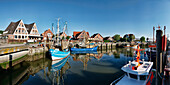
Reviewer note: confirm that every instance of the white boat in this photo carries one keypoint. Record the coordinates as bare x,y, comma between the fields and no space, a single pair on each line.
136,72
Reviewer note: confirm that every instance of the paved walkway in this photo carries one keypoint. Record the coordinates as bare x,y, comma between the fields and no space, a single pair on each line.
10,45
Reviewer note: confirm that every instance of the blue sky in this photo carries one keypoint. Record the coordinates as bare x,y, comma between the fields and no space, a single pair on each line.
107,17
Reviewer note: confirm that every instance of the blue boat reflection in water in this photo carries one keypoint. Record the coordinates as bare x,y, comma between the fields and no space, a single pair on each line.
57,70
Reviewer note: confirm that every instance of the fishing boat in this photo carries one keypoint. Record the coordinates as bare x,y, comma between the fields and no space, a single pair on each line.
58,55
133,46
84,49
137,72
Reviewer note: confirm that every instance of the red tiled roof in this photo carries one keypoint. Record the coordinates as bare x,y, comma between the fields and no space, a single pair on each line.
75,33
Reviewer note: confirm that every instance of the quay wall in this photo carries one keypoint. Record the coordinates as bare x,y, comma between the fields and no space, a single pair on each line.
20,54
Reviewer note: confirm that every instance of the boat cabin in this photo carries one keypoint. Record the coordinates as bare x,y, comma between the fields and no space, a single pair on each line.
140,73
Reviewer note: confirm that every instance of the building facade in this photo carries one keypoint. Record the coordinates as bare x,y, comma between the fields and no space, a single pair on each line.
20,32
47,35
80,35
96,38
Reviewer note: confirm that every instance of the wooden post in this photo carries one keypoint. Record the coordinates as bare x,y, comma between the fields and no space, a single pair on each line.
158,55
10,69
101,48
111,47
106,47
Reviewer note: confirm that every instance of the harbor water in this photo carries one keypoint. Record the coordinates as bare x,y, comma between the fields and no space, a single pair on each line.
94,68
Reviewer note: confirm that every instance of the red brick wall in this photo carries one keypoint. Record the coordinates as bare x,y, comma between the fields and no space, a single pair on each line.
45,34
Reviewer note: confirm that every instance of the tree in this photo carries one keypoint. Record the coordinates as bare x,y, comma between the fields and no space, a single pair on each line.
117,37
1,32
142,39
67,37
122,39
63,38
132,37
147,39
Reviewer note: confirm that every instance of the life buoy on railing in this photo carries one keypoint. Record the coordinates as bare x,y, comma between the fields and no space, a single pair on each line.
164,42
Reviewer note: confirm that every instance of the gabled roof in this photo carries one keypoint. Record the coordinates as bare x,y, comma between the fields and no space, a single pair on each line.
12,26
46,31
76,34
95,35
106,38
29,27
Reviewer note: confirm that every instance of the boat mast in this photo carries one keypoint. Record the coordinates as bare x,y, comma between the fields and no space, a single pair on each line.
58,30
53,31
64,29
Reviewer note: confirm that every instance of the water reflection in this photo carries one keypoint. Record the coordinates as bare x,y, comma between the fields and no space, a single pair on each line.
78,68
58,70
85,57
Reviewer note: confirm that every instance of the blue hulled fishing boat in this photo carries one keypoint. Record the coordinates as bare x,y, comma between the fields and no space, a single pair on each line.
84,49
58,55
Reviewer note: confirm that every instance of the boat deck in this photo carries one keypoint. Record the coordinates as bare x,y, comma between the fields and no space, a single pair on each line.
141,70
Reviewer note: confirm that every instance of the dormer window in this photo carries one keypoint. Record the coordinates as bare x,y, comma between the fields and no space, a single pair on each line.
22,25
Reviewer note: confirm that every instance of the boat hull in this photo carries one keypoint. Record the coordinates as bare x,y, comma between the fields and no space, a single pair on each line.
84,49
58,55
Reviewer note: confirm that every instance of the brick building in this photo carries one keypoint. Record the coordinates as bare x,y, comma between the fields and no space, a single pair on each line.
47,35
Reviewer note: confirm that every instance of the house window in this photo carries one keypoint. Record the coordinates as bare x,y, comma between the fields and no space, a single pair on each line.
25,37
22,37
19,36
22,31
22,25
49,35
16,30
19,31
15,36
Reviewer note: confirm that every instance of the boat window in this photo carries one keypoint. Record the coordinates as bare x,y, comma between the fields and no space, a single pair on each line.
142,77
133,76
